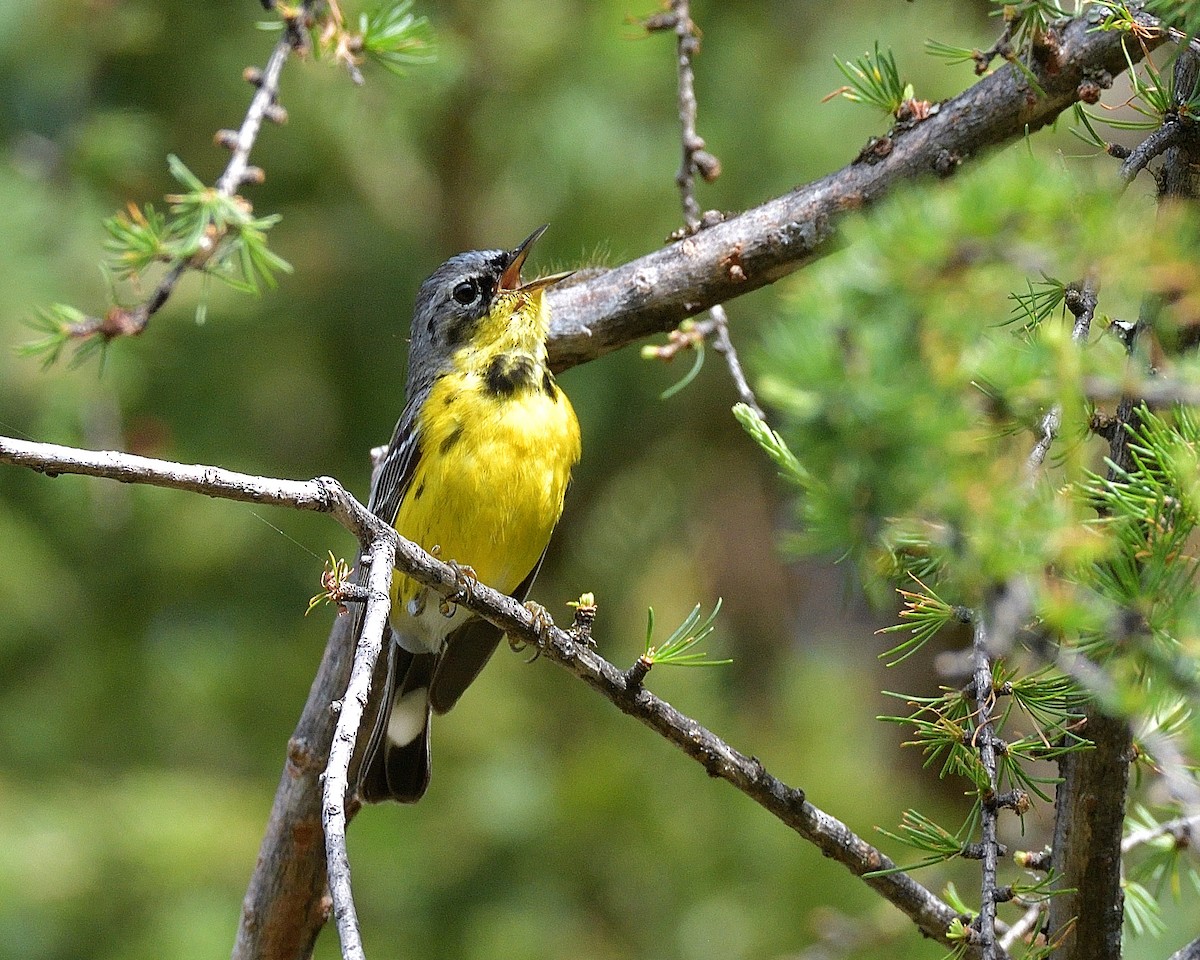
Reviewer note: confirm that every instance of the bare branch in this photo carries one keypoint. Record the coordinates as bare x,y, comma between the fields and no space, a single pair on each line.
323,495
724,346
1026,925
336,792
296,798
1155,145
695,159
1180,828
687,45
266,98
984,740
747,774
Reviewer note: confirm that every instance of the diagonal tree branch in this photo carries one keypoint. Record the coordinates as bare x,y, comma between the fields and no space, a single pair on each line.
266,935
603,311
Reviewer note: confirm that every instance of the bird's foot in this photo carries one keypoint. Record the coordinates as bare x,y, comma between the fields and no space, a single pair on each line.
543,626
466,581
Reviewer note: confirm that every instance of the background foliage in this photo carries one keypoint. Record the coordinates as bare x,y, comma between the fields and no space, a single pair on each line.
153,655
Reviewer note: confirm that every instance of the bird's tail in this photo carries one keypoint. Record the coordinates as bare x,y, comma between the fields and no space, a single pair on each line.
396,764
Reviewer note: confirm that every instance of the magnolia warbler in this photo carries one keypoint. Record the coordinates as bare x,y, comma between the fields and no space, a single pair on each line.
476,473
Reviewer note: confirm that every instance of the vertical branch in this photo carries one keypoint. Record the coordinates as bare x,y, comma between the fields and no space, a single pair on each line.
285,905
1089,816
687,44
695,159
336,791
265,102
1090,803
984,737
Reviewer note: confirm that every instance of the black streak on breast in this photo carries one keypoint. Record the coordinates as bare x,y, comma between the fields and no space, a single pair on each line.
509,373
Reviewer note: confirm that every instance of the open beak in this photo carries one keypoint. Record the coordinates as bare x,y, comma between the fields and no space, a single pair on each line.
511,278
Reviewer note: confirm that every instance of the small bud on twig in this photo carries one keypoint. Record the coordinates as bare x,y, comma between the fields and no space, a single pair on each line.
708,166
659,21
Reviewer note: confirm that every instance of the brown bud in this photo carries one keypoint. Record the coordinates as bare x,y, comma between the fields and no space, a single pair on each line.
659,21
708,166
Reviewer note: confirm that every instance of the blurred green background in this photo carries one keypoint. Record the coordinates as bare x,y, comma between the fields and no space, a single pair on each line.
153,650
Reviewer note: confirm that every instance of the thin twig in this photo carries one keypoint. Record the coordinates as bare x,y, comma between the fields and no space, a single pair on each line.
265,98
1024,926
984,740
1001,48
724,346
131,321
336,790
695,159
1155,145
1081,301
687,44
1180,828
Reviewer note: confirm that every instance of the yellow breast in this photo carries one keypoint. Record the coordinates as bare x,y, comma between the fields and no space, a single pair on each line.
493,471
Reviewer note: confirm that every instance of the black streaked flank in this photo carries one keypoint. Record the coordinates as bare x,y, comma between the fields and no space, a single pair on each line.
548,385
453,438
509,373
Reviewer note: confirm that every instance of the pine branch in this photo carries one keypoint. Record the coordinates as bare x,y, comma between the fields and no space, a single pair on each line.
1090,806
121,321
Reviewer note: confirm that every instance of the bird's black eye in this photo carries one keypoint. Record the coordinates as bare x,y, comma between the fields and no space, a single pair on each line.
466,292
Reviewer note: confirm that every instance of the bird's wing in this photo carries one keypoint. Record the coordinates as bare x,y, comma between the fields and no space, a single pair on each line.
399,466
467,650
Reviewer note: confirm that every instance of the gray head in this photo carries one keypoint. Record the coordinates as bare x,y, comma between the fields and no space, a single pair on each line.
452,301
